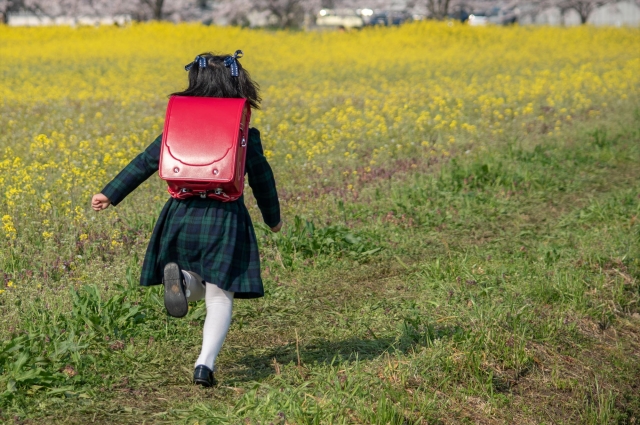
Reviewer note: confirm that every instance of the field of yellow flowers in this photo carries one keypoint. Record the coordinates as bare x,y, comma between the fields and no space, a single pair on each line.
345,117
78,104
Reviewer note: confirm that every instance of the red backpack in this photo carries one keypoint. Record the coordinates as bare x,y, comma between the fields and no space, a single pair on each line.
204,146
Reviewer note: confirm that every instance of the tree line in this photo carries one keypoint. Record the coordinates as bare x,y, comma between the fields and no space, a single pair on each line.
284,13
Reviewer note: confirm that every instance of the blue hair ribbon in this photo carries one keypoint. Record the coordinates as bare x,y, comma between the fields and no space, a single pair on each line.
231,62
200,61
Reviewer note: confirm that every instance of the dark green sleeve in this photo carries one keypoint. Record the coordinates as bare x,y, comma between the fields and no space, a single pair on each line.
261,180
140,169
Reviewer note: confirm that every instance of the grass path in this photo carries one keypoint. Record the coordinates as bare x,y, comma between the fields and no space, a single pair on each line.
507,291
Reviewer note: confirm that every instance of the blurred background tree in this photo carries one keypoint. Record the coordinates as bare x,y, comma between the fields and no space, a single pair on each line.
583,7
438,9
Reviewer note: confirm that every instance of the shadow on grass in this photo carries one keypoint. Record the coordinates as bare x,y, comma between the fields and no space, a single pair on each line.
261,364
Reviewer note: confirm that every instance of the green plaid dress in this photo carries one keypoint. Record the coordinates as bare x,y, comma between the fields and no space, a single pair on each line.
212,238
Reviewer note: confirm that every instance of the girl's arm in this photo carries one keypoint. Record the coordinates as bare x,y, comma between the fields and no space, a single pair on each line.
262,181
140,169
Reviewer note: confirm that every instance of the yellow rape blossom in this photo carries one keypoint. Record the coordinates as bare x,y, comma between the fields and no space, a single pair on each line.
8,227
381,94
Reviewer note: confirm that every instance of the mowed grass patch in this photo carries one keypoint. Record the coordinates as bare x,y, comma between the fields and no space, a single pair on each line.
499,288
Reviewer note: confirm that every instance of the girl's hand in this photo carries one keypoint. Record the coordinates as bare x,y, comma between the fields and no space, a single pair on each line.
277,228
99,202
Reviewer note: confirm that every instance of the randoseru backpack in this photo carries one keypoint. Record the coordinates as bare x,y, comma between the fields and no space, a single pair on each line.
204,147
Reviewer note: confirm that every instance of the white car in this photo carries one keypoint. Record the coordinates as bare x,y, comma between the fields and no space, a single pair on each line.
478,20
339,18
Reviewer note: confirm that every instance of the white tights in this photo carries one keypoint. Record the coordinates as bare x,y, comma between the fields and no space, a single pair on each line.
219,306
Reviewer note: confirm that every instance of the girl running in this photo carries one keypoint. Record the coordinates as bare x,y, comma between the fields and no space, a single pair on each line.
204,248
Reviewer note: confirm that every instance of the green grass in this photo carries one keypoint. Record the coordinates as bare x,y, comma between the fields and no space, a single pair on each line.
499,287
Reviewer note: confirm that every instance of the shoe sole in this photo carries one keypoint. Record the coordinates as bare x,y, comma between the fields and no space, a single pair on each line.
203,382
175,300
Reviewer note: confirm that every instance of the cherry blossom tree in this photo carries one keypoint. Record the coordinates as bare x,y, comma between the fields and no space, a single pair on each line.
234,12
139,9
171,9
438,9
6,7
70,8
288,13
583,7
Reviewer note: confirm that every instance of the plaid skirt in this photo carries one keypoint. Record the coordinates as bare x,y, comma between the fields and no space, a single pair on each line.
212,238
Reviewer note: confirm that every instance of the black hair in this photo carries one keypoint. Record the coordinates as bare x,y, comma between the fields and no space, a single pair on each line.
215,80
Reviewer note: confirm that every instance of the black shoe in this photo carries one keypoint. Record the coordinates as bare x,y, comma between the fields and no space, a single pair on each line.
204,376
175,300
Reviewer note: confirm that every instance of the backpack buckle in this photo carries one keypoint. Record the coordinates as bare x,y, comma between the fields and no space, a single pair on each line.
203,194
244,142
220,192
